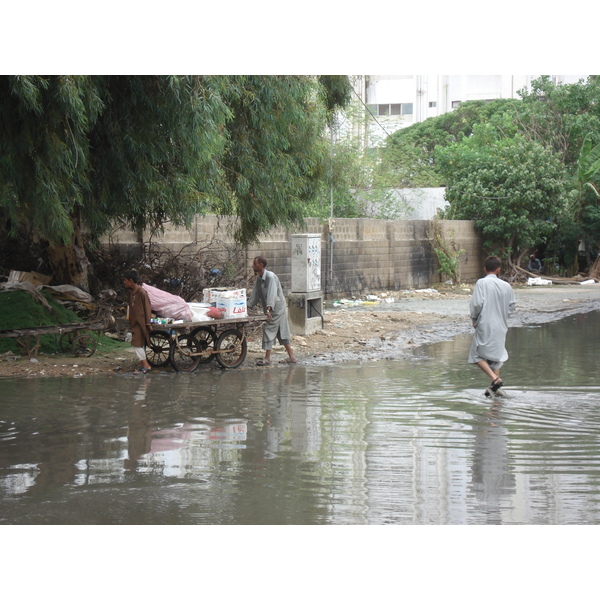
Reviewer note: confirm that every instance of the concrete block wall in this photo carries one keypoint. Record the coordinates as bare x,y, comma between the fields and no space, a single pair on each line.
469,240
371,255
366,255
414,263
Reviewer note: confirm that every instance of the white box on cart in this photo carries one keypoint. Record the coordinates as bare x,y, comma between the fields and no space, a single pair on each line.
232,303
210,294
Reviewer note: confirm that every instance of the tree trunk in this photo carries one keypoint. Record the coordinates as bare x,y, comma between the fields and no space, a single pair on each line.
70,264
595,269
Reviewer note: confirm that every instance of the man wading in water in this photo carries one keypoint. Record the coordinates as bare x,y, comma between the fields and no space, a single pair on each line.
492,302
267,291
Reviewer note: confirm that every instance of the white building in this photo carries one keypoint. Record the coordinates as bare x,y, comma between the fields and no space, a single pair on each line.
397,101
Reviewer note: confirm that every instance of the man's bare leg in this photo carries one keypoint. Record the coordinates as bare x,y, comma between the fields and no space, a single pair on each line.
290,352
494,375
485,367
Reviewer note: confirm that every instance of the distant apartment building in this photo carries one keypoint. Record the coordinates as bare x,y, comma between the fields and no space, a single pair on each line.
397,101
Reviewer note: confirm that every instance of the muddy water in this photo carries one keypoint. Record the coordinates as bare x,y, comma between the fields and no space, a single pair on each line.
405,441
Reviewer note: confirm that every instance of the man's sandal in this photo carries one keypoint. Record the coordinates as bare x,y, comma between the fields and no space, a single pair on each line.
496,384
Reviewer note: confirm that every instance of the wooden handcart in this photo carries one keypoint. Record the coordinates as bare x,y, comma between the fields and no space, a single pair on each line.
187,345
74,337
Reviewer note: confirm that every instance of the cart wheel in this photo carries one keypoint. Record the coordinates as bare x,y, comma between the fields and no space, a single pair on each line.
157,353
84,345
66,341
206,339
185,353
231,349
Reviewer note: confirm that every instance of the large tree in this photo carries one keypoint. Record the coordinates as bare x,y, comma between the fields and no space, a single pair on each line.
411,150
79,153
513,188
561,116
582,222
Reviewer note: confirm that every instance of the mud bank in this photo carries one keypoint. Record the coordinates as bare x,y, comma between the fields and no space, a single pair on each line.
352,331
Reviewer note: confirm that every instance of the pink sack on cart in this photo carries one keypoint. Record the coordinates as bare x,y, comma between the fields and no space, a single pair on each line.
168,305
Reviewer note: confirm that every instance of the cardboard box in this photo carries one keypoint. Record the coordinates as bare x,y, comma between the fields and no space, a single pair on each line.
232,308
210,294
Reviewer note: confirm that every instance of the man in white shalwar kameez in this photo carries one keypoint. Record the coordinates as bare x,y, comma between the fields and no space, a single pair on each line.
267,291
492,302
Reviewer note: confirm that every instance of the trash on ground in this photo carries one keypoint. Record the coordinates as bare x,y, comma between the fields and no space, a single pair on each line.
538,281
425,291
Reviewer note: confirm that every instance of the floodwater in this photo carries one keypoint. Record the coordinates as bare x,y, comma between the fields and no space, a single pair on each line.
406,441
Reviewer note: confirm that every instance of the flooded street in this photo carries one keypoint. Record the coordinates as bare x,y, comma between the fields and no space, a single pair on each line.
411,440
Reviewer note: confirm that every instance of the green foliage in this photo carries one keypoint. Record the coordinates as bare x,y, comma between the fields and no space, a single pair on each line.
359,184
153,151
337,91
514,189
100,149
558,116
412,150
561,116
275,156
44,150
583,220
358,187
142,150
588,167
447,252
347,172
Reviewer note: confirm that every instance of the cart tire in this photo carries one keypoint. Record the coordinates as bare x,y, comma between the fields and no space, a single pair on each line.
207,340
65,341
84,345
157,353
231,349
184,353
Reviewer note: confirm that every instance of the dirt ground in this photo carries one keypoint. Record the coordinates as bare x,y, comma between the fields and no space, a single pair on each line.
353,330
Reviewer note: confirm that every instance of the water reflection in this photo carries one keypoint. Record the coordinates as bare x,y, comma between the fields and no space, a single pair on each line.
492,479
401,441
139,430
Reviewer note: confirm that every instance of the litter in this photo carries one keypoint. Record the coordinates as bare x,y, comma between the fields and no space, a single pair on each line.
425,291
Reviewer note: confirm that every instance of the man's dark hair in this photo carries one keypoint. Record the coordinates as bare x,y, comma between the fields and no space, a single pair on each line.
261,260
492,263
133,275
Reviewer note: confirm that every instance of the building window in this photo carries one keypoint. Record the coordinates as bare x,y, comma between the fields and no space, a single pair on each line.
455,103
392,109
432,104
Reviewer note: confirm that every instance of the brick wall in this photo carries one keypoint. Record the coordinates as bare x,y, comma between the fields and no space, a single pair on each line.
358,256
